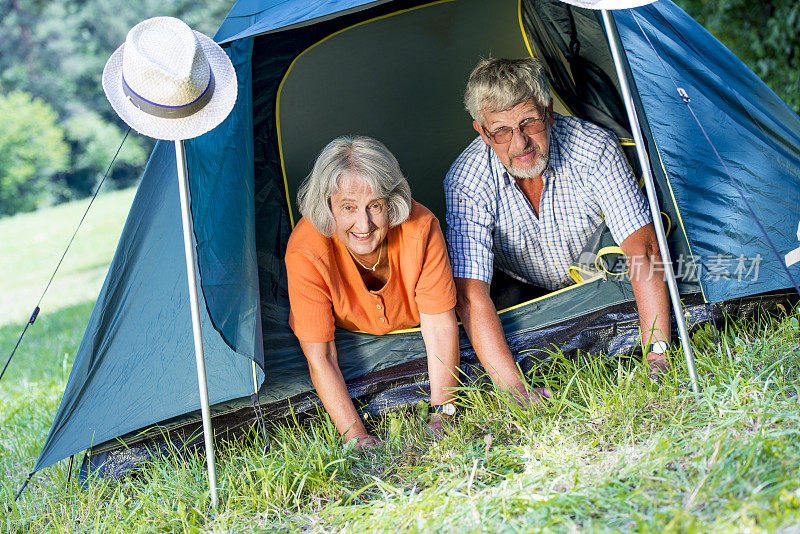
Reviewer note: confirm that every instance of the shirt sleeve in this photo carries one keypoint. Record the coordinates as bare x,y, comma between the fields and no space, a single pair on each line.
311,309
436,291
470,224
615,188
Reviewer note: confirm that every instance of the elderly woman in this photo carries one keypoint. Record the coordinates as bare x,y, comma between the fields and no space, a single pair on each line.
366,257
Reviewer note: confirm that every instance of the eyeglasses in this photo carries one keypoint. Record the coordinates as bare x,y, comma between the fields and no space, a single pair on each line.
530,126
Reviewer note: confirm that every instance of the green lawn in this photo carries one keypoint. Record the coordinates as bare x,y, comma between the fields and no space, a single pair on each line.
612,452
31,247
32,244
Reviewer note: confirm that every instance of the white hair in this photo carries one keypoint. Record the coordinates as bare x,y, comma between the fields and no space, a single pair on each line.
368,159
497,84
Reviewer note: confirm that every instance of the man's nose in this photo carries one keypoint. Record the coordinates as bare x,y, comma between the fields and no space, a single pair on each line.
518,138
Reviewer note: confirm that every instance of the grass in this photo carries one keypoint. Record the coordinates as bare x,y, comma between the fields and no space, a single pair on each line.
34,380
33,243
611,452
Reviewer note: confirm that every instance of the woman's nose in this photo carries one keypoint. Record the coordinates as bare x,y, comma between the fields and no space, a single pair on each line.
363,223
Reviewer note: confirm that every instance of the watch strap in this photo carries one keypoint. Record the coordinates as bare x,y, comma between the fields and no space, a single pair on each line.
446,409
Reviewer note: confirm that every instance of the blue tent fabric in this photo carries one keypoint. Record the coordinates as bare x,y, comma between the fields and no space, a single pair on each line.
254,17
220,168
755,132
136,364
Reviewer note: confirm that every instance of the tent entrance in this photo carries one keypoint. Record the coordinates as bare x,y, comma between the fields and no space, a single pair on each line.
399,79
397,73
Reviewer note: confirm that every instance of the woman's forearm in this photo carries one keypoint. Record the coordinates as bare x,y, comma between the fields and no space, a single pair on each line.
440,334
331,388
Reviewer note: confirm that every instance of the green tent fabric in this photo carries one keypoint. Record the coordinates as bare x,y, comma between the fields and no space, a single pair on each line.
395,70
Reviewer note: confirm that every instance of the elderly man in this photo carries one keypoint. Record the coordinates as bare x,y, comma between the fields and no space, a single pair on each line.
524,198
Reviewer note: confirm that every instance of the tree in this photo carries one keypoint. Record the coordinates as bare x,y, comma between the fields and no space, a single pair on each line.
762,33
93,142
32,150
56,53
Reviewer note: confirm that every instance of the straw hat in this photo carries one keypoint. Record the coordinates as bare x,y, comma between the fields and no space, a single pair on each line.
168,81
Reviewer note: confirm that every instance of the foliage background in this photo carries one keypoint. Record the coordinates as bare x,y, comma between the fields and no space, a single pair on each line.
55,51
53,57
764,34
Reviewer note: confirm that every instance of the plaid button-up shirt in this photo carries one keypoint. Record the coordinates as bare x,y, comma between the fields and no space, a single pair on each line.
490,222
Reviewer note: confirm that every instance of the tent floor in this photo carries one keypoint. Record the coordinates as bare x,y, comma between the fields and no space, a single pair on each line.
407,383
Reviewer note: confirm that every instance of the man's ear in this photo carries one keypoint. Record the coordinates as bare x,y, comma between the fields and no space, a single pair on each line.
551,119
479,129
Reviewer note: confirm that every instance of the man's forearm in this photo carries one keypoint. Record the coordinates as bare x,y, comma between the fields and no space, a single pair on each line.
652,301
480,320
649,288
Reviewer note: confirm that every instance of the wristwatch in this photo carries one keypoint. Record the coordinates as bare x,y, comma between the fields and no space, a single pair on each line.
447,409
659,347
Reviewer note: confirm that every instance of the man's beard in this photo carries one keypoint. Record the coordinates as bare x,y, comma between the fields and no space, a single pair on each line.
530,172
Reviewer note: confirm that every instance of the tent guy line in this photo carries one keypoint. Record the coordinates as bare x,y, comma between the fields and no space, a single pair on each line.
37,309
793,256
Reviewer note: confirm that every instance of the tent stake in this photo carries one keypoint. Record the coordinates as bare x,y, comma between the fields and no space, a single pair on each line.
669,273
188,245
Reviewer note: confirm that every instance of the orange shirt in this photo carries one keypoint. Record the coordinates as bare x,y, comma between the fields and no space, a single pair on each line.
325,287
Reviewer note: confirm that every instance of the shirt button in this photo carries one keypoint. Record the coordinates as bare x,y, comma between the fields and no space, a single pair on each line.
378,306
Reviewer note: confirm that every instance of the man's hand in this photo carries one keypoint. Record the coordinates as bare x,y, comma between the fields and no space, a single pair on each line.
534,398
364,441
658,363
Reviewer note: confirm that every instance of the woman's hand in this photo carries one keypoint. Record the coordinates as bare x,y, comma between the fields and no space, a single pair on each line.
437,425
332,390
364,441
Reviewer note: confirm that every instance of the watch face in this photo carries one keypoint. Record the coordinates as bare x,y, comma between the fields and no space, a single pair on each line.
448,409
659,347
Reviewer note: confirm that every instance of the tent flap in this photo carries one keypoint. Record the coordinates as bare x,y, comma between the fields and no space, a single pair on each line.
221,183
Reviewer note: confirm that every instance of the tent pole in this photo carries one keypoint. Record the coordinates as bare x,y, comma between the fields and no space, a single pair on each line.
669,273
188,245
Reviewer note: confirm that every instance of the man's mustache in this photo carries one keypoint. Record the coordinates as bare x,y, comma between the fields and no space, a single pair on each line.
532,148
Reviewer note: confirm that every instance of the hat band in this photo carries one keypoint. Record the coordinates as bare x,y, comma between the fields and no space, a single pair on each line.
170,112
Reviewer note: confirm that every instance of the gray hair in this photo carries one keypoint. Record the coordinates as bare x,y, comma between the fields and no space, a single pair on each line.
368,159
497,84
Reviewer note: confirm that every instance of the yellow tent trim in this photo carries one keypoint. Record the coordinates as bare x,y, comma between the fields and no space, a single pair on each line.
678,212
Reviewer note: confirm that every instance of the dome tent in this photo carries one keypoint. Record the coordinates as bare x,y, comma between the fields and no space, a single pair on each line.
395,70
